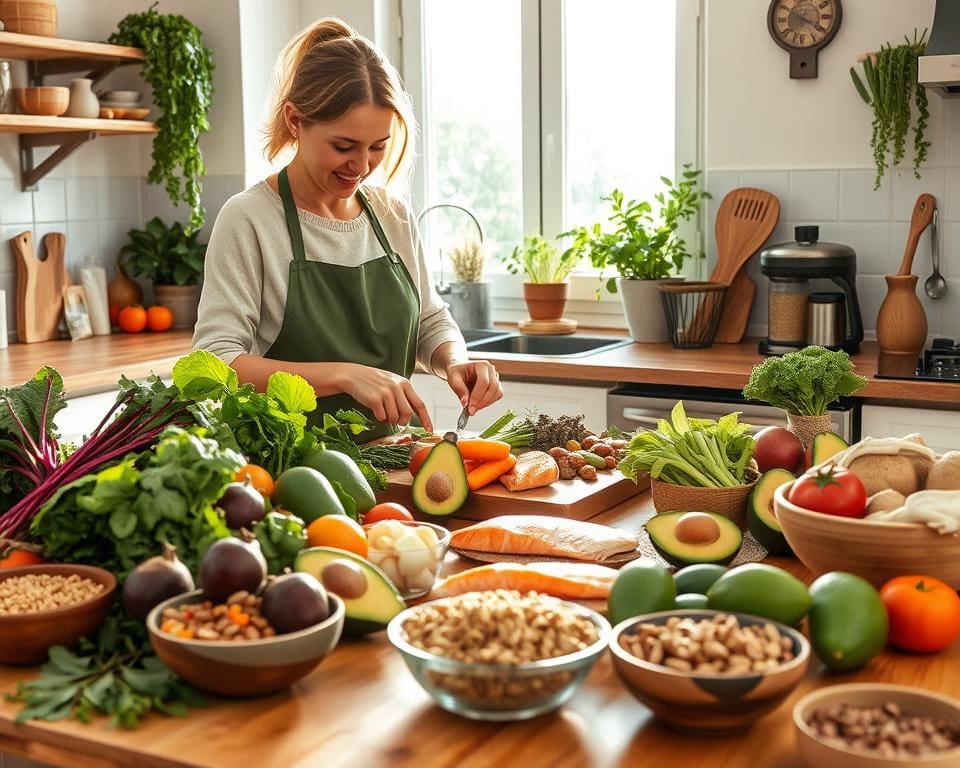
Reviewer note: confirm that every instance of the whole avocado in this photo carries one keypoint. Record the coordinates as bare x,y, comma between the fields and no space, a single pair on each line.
848,621
642,586
337,467
761,590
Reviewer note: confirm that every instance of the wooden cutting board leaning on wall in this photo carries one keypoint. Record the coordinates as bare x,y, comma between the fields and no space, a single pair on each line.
39,286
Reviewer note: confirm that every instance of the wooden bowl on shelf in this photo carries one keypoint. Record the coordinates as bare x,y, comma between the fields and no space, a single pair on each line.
29,17
49,100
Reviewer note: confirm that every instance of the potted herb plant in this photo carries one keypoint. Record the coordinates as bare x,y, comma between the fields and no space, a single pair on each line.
644,247
469,294
547,271
173,259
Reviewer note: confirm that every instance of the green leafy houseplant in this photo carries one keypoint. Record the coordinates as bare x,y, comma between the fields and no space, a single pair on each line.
179,68
642,245
166,255
890,87
541,261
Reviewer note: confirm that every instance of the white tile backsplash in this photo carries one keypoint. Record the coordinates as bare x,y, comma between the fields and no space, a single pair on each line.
950,204
907,187
950,252
813,196
83,247
871,241
49,200
82,199
858,199
118,197
15,206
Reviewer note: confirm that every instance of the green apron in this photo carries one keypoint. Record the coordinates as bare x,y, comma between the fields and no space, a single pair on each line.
368,314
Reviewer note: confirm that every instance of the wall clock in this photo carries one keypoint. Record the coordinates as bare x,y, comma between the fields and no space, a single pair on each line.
802,28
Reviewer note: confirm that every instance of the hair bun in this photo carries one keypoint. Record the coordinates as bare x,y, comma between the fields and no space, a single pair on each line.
326,30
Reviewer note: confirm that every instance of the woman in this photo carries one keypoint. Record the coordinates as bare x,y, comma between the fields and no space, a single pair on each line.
315,272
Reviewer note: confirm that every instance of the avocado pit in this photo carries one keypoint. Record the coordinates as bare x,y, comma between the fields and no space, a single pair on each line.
439,487
697,529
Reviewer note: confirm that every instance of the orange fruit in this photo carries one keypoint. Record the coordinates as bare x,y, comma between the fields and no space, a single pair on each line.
19,557
259,478
132,319
337,531
159,318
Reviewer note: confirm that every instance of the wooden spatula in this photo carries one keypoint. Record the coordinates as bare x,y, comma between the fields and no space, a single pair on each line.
745,219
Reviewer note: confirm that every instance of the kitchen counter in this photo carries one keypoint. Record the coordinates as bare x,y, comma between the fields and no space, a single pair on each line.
362,707
95,364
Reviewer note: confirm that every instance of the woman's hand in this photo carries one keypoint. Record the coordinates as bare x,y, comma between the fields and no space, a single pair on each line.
390,396
475,382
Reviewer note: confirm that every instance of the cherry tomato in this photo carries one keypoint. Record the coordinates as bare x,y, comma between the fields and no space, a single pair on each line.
132,319
159,318
19,557
924,613
259,478
417,457
388,510
832,490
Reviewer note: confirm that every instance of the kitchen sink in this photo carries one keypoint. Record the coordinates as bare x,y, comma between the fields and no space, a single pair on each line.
547,346
474,335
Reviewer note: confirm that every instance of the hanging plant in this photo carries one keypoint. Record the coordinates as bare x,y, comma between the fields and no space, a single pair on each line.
891,88
179,69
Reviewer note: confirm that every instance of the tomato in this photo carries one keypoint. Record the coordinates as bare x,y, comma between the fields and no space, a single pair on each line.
259,478
132,319
337,531
114,312
417,457
19,557
159,318
924,613
832,490
388,510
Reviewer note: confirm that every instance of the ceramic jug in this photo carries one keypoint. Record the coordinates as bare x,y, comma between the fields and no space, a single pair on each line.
82,101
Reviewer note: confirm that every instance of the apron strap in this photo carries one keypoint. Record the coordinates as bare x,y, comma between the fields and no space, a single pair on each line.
293,219
377,229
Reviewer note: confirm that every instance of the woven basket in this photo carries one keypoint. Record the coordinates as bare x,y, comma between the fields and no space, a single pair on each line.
29,17
729,502
807,427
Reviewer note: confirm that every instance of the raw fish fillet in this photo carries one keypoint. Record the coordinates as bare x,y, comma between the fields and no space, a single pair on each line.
571,581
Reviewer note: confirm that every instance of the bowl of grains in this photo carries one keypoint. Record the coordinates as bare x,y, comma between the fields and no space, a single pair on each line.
499,655
875,725
50,604
231,649
707,671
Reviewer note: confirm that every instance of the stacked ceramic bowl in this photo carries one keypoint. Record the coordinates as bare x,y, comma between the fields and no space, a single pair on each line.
123,105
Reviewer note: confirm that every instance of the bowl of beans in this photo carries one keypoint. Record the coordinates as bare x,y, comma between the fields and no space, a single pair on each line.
50,604
876,725
707,671
230,649
499,655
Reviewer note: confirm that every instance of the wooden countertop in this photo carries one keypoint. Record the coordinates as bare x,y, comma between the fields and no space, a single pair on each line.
95,364
362,707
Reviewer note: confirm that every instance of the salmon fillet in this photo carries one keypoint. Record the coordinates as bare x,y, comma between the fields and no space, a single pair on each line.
543,535
571,581
534,469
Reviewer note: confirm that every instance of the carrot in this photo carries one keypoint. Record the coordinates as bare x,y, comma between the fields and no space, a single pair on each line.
489,471
478,449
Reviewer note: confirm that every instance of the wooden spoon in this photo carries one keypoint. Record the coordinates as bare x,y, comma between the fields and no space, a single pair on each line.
922,217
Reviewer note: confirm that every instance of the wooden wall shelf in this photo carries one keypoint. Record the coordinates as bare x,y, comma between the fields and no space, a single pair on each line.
41,124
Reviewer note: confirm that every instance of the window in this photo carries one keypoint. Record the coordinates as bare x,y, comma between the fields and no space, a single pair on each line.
532,110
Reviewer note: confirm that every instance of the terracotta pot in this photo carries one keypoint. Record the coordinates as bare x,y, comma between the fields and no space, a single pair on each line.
545,301
181,300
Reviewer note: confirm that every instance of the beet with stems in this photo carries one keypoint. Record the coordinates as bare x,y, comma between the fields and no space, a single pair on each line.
154,581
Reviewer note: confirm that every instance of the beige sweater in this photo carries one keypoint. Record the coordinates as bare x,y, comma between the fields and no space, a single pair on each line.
246,270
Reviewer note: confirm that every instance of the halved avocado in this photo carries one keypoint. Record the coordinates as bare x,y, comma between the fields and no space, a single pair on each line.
824,446
440,485
369,612
761,520
683,538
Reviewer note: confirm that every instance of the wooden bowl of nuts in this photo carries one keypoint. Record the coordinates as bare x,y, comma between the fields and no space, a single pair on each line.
708,672
499,655
50,604
237,662
874,725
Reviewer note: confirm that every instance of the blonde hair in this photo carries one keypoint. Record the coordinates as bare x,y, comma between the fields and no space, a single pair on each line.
325,71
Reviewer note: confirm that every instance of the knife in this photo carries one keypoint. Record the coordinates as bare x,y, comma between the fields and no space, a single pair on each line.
462,421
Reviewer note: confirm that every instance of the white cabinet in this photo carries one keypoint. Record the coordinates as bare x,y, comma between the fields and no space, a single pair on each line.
82,415
519,396
940,429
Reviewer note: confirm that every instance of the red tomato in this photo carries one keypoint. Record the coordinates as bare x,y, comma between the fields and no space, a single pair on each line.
832,490
388,510
924,613
159,318
132,319
417,457
19,557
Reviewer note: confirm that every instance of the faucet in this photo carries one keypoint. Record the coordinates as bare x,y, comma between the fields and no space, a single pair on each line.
442,289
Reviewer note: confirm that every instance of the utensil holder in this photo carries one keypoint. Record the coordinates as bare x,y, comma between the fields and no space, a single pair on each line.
693,312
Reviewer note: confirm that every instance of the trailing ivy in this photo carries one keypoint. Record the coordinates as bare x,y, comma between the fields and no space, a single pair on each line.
179,68
891,88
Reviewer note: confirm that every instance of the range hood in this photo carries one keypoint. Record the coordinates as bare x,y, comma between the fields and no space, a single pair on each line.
939,67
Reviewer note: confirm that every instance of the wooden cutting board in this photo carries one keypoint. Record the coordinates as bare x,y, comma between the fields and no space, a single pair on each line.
576,499
39,286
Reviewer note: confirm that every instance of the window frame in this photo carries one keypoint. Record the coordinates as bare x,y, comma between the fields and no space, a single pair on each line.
543,141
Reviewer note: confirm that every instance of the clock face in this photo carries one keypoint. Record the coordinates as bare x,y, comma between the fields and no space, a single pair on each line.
803,23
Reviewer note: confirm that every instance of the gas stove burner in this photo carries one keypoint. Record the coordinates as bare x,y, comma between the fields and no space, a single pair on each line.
939,363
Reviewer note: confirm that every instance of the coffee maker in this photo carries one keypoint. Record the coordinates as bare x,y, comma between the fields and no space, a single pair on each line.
795,317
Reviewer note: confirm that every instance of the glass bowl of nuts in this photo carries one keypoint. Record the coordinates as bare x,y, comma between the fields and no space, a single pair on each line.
50,604
410,553
876,724
707,671
213,645
499,655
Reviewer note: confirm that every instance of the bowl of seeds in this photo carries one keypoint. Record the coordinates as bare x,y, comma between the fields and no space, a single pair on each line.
707,671
50,604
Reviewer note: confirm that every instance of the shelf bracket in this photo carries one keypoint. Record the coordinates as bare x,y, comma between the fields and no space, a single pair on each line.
65,143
